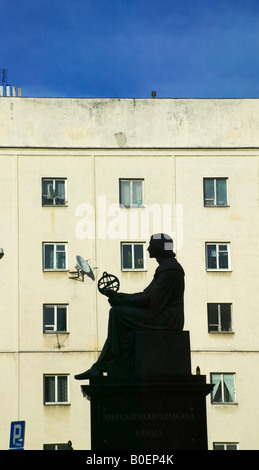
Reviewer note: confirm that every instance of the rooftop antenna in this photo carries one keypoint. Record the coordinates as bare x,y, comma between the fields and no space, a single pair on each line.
4,76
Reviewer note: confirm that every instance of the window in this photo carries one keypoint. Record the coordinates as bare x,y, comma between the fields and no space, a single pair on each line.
224,388
225,446
219,317
55,256
54,192
132,256
55,389
131,192
215,192
218,256
67,446
54,318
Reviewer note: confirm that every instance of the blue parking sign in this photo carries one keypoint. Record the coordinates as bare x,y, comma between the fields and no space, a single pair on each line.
17,435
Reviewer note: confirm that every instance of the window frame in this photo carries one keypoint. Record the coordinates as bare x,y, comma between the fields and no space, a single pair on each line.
214,179
133,244
54,180
56,401
132,204
225,444
59,446
217,245
219,315
55,330
222,375
55,244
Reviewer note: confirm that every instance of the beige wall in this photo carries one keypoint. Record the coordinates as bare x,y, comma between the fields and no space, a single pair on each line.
237,224
172,177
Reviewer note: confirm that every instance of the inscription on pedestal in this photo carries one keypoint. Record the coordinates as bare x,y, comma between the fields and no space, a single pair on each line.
168,416
152,425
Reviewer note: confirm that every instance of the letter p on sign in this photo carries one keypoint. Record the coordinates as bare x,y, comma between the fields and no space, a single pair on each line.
17,435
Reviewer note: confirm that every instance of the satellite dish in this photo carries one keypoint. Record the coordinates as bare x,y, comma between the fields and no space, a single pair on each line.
84,267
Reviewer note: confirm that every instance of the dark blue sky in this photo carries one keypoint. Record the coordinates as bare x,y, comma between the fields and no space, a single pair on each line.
127,48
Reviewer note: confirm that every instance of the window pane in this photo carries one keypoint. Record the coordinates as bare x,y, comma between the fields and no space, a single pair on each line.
218,446
213,321
48,256
217,390
225,312
61,318
62,388
223,248
127,256
229,388
231,446
61,260
209,195
61,247
46,195
60,192
137,192
60,257
221,185
50,389
125,193
223,257
48,318
63,447
138,257
211,257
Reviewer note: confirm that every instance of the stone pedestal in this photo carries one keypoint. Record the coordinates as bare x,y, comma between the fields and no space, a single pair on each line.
148,412
157,405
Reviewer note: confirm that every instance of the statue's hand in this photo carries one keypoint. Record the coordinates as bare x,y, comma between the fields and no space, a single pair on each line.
111,298
116,299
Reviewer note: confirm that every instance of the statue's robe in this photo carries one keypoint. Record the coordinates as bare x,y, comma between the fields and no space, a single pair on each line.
160,306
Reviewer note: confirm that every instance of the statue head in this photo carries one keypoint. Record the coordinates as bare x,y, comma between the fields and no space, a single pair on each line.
161,245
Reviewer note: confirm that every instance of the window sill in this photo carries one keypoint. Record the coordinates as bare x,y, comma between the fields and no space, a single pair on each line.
56,270
216,207
132,206
57,404
225,404
221,332
56,332
133,270
54,205
209,270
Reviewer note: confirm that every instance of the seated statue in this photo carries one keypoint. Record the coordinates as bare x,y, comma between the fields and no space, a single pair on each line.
160,306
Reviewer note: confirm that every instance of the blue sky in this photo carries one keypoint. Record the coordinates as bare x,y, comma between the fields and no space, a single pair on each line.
127,48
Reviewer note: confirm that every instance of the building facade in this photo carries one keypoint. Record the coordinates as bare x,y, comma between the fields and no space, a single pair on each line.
95,178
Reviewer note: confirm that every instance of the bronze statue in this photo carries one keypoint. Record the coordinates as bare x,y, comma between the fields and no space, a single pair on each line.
160,306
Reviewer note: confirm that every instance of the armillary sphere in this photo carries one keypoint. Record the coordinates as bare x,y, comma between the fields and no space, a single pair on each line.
108,284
